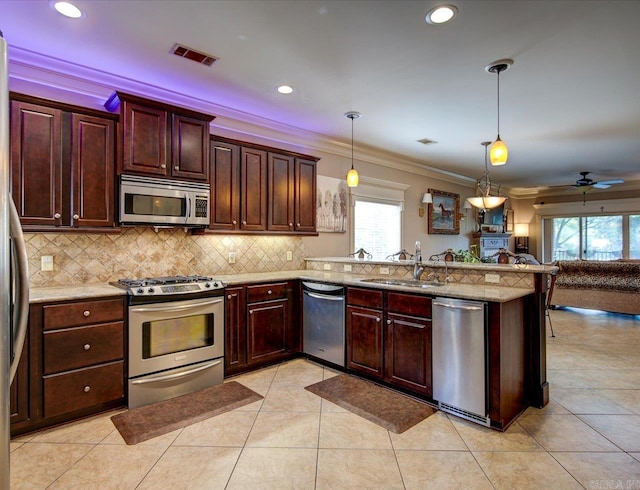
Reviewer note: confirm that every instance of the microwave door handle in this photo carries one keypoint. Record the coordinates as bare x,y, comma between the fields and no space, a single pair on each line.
22,288
188,197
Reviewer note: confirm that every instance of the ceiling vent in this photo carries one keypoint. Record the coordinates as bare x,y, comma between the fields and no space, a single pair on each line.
427,141
192,54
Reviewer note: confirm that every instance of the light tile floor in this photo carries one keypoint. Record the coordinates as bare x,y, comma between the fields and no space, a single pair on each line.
587,437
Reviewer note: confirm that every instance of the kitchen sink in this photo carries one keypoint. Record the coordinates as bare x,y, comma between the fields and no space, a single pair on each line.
404,282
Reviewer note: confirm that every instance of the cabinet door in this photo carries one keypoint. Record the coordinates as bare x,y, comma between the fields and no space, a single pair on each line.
189,148
36,163
92,170
267,330
225,186
408,352
364,341
254,190
305,196
281,191
145,139
19,391
235,355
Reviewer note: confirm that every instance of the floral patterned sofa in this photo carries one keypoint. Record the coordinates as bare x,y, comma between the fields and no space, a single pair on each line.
609,286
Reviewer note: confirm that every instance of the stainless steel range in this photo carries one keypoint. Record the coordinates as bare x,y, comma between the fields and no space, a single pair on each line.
176,336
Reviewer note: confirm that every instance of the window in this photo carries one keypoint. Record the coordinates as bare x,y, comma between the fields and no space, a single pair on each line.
376,217
377,227
593,237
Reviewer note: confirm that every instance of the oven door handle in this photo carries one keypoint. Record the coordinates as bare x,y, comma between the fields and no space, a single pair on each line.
169,377
147,309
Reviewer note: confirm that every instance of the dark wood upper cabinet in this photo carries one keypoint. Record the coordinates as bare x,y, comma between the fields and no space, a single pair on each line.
253,200
92,170
162,140
305,196
36,163
225,186
144,139
281,192
62,164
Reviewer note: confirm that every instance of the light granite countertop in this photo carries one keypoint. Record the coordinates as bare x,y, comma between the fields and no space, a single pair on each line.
478,292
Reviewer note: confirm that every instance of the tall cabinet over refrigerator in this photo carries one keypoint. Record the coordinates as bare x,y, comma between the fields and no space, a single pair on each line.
14,288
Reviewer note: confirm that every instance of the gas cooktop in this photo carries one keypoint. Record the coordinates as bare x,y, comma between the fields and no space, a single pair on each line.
170,285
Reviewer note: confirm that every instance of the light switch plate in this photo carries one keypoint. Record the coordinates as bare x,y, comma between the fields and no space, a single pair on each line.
327,267
347,267
384,270
289,255
232,257
492,278
46,263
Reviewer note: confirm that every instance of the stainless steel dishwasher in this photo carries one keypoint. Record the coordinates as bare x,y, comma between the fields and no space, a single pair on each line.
460,358
323,317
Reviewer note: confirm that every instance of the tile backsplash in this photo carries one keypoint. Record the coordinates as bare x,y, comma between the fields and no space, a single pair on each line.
141,252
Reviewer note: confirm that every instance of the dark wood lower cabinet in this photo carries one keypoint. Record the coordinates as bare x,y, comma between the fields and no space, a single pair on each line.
267,323
364,341
408,352
19,391
235,341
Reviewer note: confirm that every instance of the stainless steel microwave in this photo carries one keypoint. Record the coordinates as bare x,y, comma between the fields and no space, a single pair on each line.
163,202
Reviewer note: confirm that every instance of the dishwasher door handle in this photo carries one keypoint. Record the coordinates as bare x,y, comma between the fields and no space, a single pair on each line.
458,307
322,296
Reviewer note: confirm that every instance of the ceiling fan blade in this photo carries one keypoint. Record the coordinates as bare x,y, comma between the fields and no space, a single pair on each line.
601,185
612,181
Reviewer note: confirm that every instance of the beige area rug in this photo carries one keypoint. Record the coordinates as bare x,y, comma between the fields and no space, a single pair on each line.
382,406
150,421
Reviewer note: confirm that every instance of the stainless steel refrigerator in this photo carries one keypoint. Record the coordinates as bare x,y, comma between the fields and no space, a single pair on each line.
14,287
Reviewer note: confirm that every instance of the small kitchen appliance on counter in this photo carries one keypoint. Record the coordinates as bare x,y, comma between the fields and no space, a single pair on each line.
176,336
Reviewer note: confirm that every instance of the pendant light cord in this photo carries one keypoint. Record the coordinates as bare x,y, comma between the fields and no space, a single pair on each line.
498,97
351,143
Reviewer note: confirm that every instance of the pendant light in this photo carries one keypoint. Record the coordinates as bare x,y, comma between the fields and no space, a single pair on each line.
352,175
498,153
485,200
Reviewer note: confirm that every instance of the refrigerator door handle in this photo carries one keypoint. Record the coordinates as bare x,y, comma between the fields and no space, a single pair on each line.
21,316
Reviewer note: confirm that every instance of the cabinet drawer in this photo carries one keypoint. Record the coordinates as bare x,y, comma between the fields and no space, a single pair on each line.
64,393
83,313
83,346
364,297
267,292
409,304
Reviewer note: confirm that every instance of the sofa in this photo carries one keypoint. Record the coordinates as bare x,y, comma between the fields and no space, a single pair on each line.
610,286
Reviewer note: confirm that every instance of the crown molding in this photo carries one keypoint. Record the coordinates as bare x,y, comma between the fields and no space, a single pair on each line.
43,73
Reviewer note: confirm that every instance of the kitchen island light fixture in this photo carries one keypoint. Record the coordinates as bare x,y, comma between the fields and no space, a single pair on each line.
499,152
485,200
352,176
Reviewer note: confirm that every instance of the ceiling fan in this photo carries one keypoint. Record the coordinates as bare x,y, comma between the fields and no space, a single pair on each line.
585,181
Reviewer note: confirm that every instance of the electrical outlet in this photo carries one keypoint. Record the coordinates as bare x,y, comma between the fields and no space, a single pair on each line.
46,263
347,267
384,270
289,255
492,278
327,267
232,257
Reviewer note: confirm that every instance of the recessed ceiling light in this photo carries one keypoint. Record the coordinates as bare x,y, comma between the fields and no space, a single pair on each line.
285,89
441,14
67,9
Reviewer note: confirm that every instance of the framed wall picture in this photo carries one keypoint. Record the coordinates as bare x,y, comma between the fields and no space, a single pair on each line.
443,216
331,206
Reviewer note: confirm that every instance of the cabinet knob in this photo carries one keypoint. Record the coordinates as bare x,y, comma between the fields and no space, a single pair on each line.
378,319
176,168
269,291
57,216
75,216
87,346
86,313
298,225
87,389
162,165
250,312
388,322
290,225
228,296
244,222
234,222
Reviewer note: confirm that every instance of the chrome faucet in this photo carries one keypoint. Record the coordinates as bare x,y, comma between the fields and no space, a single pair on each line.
436,278
418,268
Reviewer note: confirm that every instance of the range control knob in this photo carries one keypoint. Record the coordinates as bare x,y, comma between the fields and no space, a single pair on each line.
151,290
207,285
140,291
216,285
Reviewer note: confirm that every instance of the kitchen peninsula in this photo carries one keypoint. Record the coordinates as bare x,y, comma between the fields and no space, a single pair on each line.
516,343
